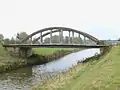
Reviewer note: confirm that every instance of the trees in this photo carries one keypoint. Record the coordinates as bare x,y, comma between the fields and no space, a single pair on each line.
20,36
12,41
55,39
6,41
1,38
47,40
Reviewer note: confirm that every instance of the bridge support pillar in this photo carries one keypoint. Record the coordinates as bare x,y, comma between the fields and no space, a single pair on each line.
25,52
61,36
41,41
69,38
84,40
31,40
80,38
50,36
72,37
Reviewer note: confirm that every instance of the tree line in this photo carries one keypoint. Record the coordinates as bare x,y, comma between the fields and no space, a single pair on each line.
13,40
55,39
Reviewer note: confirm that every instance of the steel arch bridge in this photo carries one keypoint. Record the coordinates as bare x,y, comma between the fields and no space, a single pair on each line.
51,30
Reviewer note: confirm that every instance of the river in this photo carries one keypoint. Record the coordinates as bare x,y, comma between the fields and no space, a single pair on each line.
25,78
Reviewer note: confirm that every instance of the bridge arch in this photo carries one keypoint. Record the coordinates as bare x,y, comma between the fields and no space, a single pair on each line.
58,29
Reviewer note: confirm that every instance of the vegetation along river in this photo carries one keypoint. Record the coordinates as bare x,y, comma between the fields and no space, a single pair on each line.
25,78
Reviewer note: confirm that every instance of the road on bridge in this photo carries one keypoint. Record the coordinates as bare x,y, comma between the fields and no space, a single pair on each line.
54,46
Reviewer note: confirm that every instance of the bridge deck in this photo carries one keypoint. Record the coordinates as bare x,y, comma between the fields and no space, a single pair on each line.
54,46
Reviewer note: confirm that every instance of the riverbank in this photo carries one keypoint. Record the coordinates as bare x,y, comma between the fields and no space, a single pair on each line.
96,74
47,56
9,61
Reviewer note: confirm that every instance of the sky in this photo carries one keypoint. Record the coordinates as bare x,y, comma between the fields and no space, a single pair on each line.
99,18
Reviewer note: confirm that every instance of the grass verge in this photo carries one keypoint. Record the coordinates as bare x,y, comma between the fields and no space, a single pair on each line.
102,74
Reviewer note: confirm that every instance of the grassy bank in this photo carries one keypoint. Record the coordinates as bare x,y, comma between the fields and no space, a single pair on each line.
9,60
102,74
49,50
47,56
44,55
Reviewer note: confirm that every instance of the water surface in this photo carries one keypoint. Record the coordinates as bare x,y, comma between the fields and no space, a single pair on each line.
25,78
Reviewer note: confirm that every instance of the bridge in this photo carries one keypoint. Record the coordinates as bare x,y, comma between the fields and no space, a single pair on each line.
53,46
84,40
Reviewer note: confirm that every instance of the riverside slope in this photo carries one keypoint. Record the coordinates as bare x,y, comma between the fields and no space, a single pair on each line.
102,74
10,61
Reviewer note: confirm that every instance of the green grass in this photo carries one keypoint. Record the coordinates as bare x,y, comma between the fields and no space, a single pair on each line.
2,51
5,56
8,62
48,50
103,74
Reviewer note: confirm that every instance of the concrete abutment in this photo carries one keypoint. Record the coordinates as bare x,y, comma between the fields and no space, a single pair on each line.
25,52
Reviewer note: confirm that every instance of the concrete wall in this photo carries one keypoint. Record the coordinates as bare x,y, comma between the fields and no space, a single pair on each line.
25,52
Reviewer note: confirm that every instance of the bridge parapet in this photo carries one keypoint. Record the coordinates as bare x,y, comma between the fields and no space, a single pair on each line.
25,50
54,46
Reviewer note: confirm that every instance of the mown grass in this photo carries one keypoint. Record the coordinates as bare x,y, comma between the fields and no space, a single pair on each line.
103,74
49,50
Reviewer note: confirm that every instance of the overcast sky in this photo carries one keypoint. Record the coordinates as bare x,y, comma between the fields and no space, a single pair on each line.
100,18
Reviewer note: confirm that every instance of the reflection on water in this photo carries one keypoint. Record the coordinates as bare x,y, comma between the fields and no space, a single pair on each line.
24,78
